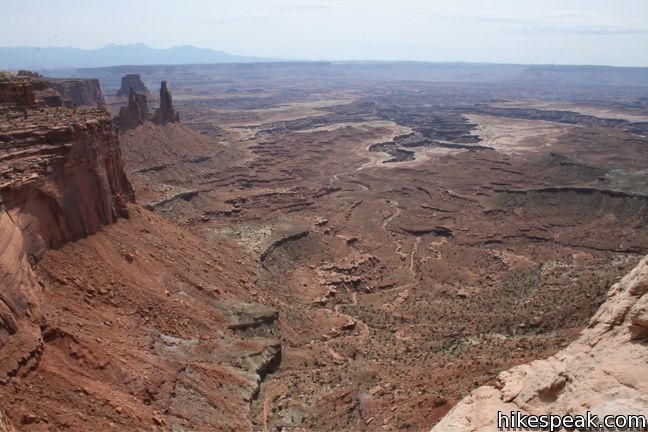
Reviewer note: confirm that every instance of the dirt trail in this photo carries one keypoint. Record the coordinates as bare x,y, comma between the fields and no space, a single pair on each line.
336,178
364,332
417,242
395,205
266,406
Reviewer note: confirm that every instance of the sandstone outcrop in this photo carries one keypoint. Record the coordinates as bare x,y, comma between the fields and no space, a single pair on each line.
28,88
165,113
135,112
79,92
603,371
61,179
18,92
21,310
28,73
132,82
50,97
61,174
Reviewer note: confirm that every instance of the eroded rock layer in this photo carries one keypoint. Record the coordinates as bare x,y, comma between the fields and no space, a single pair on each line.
603,371
21,307
132,82
165,113
135,112
79,92
16,92
61,174
61,178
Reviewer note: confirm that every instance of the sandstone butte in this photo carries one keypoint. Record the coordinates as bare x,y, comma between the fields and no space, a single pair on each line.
132,82
603,371
135,112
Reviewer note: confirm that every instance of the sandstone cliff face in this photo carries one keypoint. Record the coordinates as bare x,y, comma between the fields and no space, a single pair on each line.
603,371
25,92
61,175
21,311
165,113
132,82
28,87
17,92
135,112
61,178
79,92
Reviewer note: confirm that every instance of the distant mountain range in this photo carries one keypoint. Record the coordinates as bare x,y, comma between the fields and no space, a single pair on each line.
113,55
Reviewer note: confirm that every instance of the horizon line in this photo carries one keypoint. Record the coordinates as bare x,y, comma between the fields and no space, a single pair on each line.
262,59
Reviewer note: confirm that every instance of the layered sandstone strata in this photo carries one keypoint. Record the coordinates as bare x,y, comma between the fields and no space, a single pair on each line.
165,113
21,308
16,92
28,88
132,82
61,178
79,92
603,371
135,112
61,174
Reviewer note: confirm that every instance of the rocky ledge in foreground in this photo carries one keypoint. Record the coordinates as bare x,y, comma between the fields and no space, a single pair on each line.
604,371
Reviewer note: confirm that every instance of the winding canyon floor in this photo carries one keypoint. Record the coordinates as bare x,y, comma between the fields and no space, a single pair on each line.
416,238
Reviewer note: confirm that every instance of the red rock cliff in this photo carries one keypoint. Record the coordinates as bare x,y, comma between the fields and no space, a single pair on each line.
80,92
61,178
135,112
132,82
21,311
61,174
16,92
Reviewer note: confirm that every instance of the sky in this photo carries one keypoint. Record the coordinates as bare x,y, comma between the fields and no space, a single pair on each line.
601,32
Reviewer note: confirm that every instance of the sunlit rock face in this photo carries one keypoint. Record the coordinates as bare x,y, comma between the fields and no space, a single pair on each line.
602,372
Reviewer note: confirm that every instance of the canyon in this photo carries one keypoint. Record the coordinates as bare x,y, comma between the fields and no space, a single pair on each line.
318,247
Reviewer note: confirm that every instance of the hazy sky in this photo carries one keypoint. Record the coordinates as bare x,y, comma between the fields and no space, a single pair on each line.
613,32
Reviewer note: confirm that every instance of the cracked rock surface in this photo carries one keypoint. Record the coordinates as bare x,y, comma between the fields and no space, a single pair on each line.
603,371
